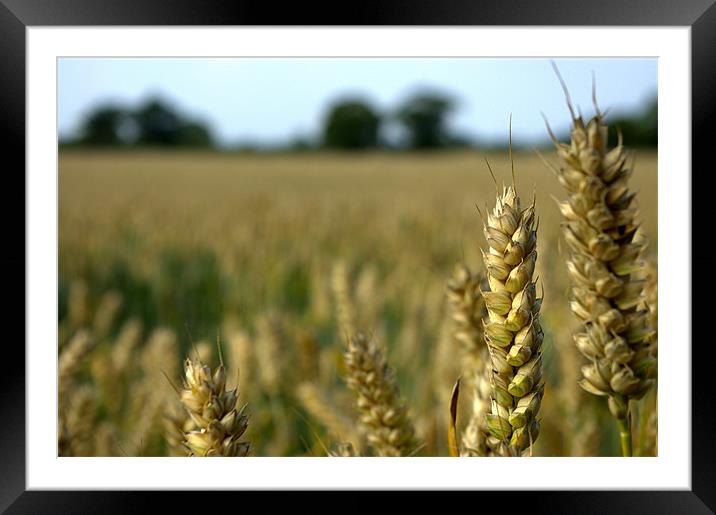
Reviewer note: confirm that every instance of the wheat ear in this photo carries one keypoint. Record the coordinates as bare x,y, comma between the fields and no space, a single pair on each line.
599,227
468,312
213,410
384,416
512,331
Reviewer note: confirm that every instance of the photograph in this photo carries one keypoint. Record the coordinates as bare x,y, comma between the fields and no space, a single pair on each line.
357,257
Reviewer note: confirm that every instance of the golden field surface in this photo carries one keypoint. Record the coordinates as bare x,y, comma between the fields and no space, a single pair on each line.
161,254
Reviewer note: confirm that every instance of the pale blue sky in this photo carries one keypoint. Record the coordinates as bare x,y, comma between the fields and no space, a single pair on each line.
274,100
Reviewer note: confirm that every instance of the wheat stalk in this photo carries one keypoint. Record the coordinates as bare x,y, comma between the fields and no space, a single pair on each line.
599,227
384,416
513,332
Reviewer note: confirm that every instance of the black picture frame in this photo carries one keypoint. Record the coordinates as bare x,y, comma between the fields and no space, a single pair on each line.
17,15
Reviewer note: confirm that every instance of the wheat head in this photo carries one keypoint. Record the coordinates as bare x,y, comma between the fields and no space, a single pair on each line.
384,416
512,331
212,408
599,228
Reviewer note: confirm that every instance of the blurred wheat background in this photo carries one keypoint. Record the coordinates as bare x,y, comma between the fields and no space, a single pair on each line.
162,254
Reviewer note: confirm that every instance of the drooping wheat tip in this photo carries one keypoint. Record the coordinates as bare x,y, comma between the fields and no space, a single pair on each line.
212,408
512,331
600,226
388,428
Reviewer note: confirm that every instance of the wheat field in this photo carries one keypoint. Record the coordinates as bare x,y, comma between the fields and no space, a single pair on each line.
275,260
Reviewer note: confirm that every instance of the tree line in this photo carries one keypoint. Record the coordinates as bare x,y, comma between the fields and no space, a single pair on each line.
350,124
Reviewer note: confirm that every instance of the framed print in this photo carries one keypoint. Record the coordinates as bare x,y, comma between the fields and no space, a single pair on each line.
304,249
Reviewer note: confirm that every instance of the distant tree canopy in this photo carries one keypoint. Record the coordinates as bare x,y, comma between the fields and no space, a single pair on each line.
424,116
638,131
154,123
420,122
351,125
103,126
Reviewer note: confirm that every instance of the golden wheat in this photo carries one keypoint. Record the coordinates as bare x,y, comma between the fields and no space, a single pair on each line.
600,227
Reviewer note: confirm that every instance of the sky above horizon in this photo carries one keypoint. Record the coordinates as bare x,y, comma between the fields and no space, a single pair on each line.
274,100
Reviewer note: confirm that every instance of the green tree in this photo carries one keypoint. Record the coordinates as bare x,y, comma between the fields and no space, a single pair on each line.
193,134
638,131
159,124
424,116
103,126
351,125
